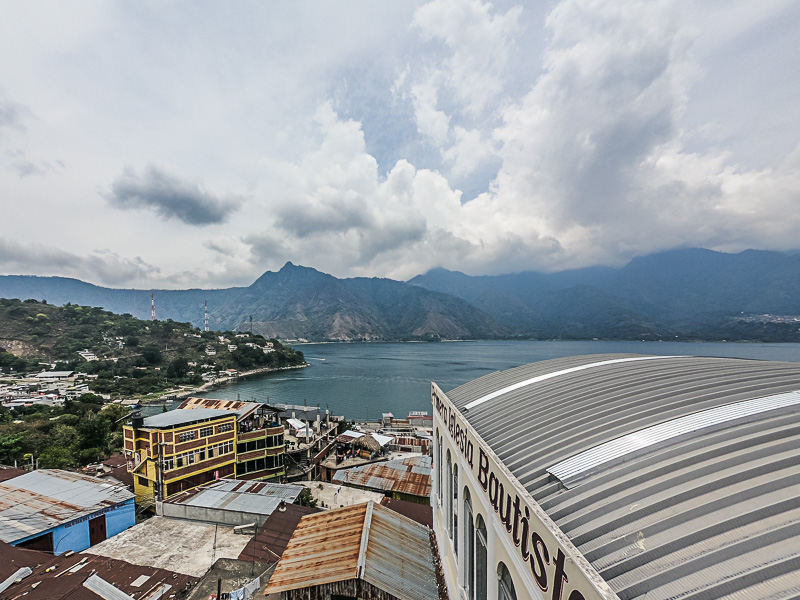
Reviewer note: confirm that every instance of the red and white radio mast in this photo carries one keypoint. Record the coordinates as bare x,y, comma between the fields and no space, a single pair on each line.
206,319
152,307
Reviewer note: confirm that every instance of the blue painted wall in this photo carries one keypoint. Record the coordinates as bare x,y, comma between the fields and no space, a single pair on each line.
75,535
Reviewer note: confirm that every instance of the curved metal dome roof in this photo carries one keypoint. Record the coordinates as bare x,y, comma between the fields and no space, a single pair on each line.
676,477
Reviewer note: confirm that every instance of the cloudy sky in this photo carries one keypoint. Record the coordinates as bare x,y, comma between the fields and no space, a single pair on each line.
199,144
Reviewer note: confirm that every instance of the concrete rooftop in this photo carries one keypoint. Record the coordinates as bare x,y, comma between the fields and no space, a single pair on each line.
177,545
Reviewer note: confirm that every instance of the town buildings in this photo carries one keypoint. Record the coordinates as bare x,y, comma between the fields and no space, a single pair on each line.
406,479
201,441
620,477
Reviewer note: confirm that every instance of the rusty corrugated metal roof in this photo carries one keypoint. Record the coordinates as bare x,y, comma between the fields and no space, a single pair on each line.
43,499
359,542
65,580
240,408
410,475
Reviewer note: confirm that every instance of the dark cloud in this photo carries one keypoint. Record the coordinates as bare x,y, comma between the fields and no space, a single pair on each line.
169,197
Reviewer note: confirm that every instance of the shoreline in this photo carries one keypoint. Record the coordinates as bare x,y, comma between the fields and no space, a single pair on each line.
219,382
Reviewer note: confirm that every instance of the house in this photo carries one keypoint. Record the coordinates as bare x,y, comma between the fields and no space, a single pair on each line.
57,511
54,375
354,552
230,502
201,441
406,479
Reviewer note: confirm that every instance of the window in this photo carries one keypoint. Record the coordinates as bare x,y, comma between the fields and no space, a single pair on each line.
455,510
252,465
201,454
251,446
168,464
448,504
206,431
225,427
480,559
143,481
505,585
179,461
438,467
186,436
469,546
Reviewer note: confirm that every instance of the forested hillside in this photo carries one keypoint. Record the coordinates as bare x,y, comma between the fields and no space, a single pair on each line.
134,357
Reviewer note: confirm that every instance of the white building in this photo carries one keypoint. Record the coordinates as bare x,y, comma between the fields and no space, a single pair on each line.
620,477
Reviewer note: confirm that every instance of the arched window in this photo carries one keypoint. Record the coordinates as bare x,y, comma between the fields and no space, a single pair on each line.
505,585
480,559
454,501
469,546
438,467
448,503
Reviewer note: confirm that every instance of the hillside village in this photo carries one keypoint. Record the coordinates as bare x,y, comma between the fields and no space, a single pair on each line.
212,496
176,504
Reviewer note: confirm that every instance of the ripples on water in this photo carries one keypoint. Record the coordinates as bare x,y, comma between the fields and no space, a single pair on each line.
362,380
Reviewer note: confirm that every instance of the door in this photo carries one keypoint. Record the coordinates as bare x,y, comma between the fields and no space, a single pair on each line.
97,530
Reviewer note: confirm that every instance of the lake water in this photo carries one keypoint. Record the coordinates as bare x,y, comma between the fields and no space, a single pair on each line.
362,380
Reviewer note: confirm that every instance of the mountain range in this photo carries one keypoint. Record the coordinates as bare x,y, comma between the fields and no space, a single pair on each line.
683,294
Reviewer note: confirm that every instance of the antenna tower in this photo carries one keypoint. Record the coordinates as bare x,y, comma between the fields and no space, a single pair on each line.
205,327
152,307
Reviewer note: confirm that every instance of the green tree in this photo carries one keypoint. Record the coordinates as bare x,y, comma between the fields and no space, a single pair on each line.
152,354
10,447
56,458
306,498
178,368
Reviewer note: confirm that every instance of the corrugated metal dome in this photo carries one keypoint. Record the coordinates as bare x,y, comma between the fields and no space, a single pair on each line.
684,476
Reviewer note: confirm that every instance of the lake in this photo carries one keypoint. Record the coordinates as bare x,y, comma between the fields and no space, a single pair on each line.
362,380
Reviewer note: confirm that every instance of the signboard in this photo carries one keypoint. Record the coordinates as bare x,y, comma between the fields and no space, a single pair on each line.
558,568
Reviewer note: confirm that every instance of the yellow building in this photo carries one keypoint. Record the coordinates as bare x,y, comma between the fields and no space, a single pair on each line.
194,444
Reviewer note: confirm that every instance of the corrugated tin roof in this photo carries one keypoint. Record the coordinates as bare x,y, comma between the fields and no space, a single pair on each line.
668,432
52,374
410,475
257,497
359,542
43,499
705,515
240,408
68,573
184,417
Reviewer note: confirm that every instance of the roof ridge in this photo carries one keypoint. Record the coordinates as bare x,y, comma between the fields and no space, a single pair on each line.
362,551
